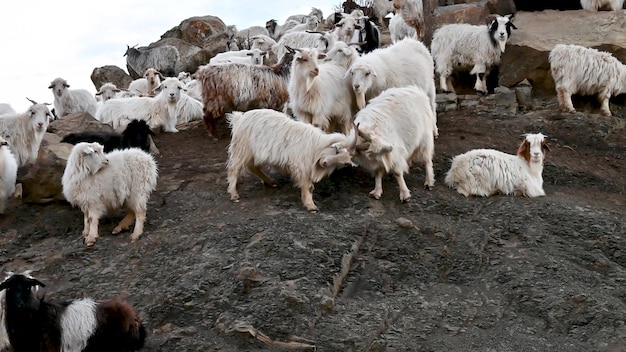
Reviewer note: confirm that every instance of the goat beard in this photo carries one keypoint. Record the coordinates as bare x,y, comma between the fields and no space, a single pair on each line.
502,44
360,100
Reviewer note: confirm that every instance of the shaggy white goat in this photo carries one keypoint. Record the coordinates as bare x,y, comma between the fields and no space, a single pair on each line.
398,29
586,71
246,56
315,12
8,173
24,131
265,43
189,109
308,153
396,128
463,46
320,94
68,101
485,172
97,183
407,62
159,112
412,11
150,81
595,5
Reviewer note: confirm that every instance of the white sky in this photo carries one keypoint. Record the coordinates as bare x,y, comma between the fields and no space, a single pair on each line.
44,39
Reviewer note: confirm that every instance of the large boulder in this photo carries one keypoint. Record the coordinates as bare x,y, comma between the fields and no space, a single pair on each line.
197,39
77,122
42,182
526,55
110,74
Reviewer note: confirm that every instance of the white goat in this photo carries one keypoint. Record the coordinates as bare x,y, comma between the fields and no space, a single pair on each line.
396,128
246,56
276,31
159,112
242,38
97,183
348,28
188,109
381,9
265,44
8,173
463,46
586,71
107,91
342,54
184,77
320,94
193,89
315,12
24,131
316,40
595,5
308,153
407,62
412,11
485,172
310,24
398,29
151,79
68,101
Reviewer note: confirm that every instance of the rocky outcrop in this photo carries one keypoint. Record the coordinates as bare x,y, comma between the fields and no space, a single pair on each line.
526,55
197,39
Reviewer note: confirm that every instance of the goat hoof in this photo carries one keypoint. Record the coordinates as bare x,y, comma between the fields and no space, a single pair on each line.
480,92
428,187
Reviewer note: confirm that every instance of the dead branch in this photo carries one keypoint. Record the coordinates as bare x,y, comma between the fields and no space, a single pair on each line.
246,328
346,264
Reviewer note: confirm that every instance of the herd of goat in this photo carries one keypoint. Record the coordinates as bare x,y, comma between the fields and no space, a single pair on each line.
305,100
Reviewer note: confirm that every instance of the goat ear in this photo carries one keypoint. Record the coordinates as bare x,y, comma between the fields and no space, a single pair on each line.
545,147
321,56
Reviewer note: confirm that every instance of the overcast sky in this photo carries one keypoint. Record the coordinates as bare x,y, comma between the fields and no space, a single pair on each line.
44,39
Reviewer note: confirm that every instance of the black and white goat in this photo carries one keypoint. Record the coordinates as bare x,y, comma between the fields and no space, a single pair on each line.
34,324
136,135
462,46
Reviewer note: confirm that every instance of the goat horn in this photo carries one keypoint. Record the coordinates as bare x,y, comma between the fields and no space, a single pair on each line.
356,135
365,135
32,101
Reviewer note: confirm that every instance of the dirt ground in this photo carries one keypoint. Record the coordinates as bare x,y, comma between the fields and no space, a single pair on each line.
439,273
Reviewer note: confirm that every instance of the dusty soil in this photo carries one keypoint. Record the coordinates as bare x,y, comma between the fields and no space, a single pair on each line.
439,273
